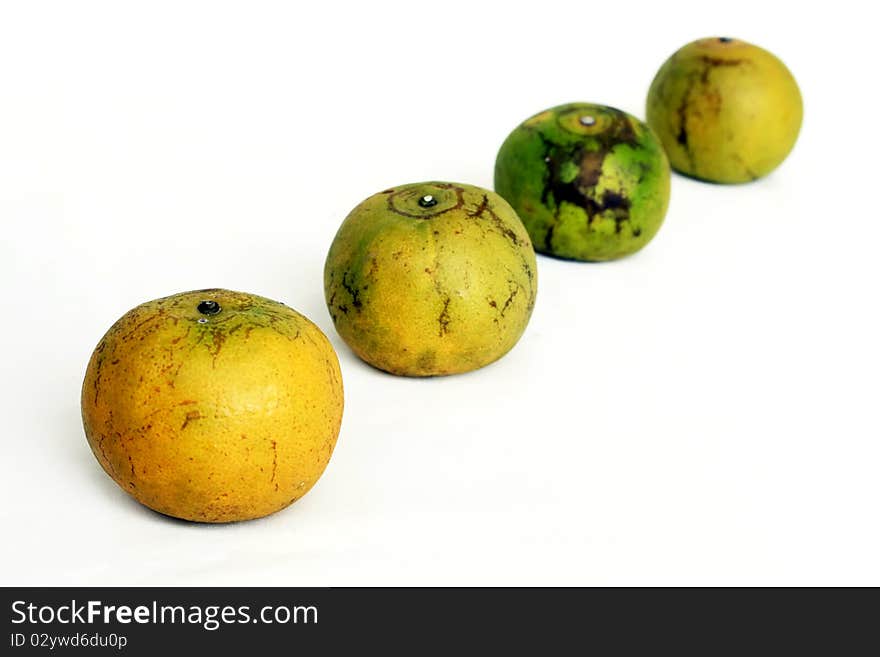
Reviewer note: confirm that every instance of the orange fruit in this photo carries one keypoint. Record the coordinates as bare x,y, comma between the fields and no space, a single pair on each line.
213,406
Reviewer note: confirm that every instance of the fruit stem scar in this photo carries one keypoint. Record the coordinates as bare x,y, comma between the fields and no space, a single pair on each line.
587,120
209,307
725,39
427,201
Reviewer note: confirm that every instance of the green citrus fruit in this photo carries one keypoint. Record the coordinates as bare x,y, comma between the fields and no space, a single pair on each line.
431,278
589,182
726,111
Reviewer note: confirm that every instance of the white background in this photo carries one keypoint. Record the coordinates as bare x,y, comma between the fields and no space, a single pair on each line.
704,412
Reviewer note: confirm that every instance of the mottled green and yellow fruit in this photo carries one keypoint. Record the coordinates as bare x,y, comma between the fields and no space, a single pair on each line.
725,110
431,278
589,182
213,406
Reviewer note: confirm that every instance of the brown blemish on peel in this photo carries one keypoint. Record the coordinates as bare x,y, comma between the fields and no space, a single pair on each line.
190,416
590,161
500,227
443,319
709,64
274,463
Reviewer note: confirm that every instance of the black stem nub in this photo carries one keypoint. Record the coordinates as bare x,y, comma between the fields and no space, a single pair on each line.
209,307
427,201
725,39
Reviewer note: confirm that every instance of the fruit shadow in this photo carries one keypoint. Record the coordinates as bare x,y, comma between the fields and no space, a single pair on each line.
587,263
715,183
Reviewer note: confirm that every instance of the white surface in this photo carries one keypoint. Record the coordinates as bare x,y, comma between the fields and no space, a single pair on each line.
704,412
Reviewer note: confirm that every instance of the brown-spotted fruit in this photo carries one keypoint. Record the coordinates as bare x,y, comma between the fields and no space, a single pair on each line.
589,182
213,405
431,278
726,111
